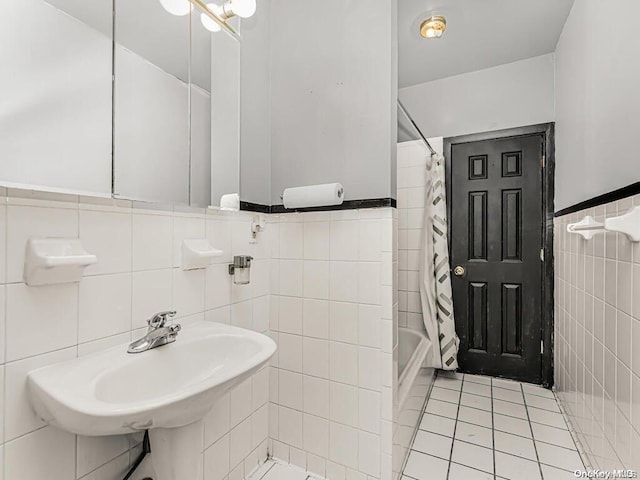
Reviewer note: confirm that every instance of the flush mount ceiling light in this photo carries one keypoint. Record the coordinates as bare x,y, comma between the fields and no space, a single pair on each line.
433,27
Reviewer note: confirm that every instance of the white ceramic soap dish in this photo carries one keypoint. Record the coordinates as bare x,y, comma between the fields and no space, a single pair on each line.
198,254
55,260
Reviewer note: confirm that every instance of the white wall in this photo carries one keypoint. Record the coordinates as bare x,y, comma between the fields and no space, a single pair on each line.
597,326
151,132
333,86
512,95
331,398
597,101
56,115
55,107
318,100
255,106
225,116
138,273
597,338
155,159
322,285
412,161
201,160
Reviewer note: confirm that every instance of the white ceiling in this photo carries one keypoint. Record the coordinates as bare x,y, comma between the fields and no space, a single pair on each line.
480,34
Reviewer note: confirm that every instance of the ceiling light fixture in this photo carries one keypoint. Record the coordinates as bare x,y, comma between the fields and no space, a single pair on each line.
433,27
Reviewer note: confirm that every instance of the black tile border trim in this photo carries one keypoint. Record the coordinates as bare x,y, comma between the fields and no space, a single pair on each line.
346,205
254,207
612,196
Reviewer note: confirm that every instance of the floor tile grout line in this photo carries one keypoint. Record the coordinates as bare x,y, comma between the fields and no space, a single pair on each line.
493,434
488,448
273,464
502,431
493,428
472,468
455,426
500,399
493,413
509,433
535,447
574,433
412,478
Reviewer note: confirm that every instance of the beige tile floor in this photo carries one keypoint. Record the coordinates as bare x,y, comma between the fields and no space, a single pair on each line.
482,428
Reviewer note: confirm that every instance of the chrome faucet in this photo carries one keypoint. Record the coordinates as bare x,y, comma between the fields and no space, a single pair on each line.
158,334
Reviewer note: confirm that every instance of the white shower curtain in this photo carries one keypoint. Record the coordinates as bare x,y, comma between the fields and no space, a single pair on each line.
435,277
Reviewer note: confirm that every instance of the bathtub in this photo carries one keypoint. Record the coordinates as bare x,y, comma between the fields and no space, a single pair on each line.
414,385
413,348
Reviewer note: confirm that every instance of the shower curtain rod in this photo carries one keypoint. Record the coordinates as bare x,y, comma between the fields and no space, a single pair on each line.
424,139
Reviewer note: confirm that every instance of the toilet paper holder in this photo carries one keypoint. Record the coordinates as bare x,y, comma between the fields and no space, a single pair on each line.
340,193
313,196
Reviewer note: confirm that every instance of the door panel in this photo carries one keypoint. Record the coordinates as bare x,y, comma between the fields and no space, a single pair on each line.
511,225
496,236
478,225
512,319
478,316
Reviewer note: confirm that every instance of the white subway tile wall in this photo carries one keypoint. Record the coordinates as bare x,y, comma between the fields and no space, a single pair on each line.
138,273
597,338
333,311
411,183
412,161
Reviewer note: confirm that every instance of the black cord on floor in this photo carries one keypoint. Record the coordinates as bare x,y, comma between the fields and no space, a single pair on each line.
146,448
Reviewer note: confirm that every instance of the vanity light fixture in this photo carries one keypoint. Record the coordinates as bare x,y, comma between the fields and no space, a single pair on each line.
213,17
433,27
206,20
230,9
240,8
177,7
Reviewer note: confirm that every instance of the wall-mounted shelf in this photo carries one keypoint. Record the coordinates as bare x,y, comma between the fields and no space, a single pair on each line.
628,224
55,260
587,227
198,253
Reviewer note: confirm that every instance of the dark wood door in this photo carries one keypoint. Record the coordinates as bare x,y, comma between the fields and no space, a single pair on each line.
496,255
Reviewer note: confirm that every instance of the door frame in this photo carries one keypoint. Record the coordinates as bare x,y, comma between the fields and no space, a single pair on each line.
548,178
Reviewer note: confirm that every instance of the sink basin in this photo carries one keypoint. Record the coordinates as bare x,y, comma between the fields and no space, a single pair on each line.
114,392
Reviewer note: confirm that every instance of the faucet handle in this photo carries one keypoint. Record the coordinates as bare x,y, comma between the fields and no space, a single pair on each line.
160,319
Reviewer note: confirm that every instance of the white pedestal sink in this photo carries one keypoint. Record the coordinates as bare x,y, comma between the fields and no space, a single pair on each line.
166,390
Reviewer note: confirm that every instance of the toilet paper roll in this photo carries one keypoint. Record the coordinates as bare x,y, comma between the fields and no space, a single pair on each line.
230,201
313,196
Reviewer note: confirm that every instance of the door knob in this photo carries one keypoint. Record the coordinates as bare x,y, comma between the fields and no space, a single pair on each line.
459,271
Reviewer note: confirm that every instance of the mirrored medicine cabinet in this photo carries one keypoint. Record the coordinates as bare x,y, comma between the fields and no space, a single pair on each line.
115,98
